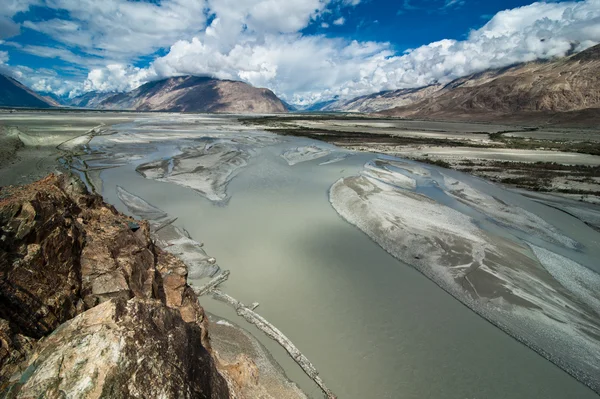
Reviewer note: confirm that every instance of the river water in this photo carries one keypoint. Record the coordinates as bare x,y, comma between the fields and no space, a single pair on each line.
373,326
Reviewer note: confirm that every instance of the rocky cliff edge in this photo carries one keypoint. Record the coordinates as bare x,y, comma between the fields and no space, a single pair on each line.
90,307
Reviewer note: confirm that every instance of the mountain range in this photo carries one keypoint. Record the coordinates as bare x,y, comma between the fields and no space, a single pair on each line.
538,90
562,88
556,90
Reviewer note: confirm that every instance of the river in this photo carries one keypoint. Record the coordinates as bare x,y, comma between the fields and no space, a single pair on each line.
374,326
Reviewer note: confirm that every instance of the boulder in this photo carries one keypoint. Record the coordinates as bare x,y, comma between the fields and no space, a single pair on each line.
90,307
122,349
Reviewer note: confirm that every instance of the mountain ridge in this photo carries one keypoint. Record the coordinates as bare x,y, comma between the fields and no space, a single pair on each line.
196,94
538,88
541,89
15,94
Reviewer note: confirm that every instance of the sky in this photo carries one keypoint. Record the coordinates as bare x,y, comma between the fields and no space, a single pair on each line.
306,51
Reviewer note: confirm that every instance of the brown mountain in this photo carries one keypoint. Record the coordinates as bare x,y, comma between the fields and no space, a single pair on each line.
15,94
567,88
196,94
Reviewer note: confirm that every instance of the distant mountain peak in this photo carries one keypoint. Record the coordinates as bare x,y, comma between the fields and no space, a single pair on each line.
188,94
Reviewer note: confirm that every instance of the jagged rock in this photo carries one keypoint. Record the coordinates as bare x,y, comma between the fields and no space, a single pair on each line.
122,349
63,253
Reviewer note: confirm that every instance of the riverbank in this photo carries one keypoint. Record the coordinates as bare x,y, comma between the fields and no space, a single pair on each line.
35,144
563,161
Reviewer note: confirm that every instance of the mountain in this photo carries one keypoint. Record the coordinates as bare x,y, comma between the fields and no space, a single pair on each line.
91,99
320,106
51,98
542,89
196,94
15,94
381,101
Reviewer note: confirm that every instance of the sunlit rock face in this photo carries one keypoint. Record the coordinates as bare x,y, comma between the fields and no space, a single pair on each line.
135,329
196,94
541,298
135,348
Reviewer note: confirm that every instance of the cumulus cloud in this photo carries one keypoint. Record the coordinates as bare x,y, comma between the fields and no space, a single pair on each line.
303,69
340,21
260,42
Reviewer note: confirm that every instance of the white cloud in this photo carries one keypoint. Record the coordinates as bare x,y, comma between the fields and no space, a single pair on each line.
116,77
121,29
258,41
11,7
8,28
324,25
453,3
53,52
340,21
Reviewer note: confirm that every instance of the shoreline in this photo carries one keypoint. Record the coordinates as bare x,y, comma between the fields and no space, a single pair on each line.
518,156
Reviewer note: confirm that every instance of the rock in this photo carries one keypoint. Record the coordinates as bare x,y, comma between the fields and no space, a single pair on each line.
67,253
133,226
121,349
90,307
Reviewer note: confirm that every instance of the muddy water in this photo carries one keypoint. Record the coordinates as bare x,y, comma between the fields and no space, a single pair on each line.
373,326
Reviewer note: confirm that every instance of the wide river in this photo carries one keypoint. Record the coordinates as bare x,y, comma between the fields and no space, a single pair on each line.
373,326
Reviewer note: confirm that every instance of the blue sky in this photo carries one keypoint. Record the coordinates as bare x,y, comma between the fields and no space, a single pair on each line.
305,50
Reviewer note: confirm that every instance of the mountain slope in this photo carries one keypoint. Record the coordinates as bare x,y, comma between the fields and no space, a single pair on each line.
91,99
196,94
382,100
15,94
570,84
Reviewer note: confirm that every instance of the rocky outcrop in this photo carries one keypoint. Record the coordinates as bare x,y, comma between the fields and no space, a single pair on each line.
196,94
122,349
89,307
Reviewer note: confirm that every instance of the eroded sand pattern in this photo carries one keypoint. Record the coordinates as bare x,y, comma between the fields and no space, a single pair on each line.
304,154
551,306
207,170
